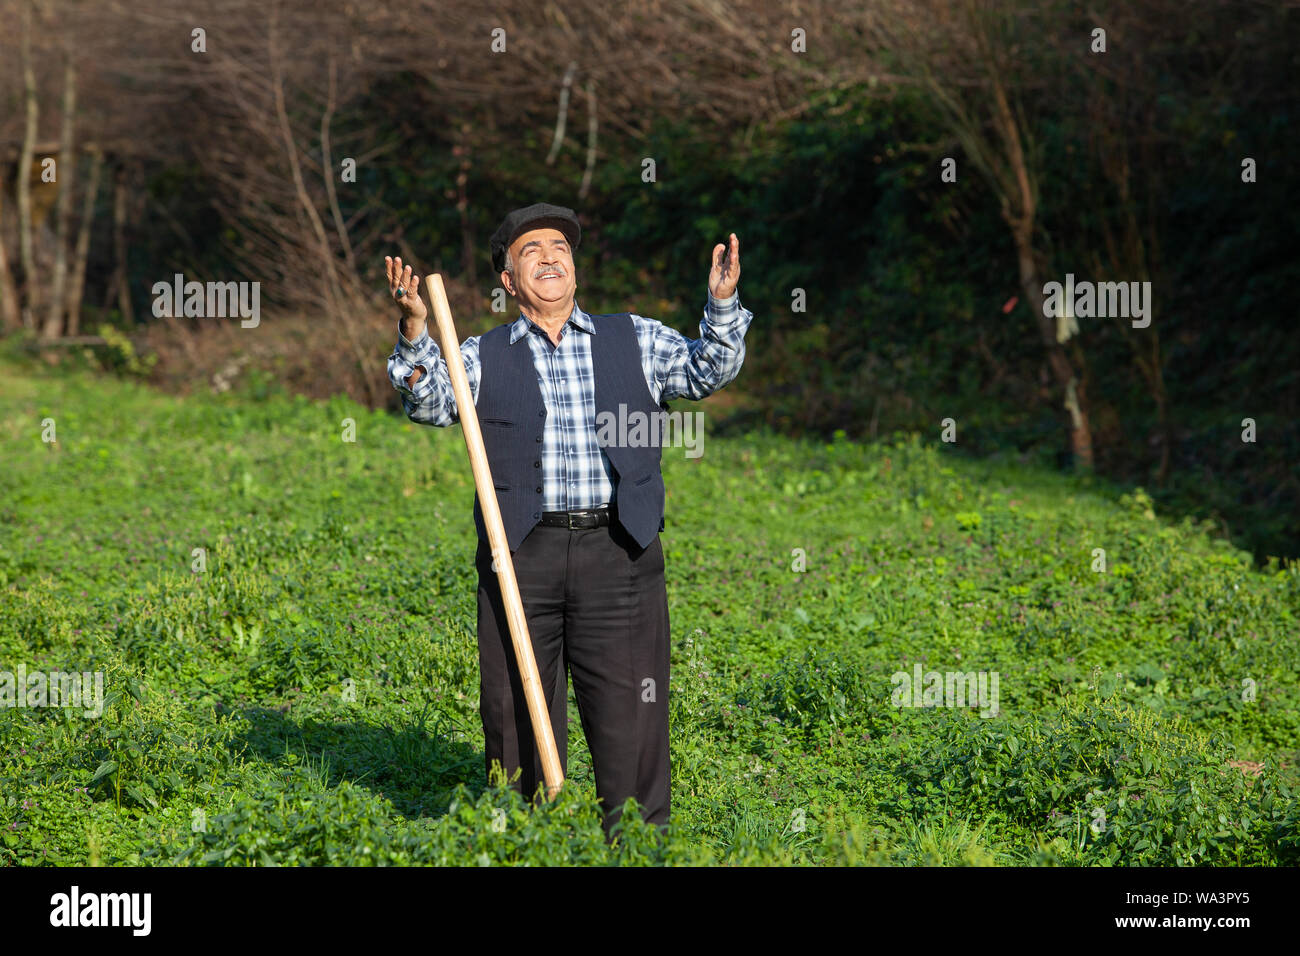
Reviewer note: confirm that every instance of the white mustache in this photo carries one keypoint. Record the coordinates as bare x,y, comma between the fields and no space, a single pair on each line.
558,272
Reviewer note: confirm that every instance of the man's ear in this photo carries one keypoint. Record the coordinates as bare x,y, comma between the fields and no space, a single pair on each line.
507,284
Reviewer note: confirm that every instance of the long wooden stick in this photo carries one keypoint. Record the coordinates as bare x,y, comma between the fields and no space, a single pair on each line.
487,499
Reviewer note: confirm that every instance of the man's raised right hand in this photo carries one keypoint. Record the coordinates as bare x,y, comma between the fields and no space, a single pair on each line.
414,313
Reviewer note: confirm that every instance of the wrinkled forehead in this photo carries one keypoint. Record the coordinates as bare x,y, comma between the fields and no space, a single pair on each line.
545,238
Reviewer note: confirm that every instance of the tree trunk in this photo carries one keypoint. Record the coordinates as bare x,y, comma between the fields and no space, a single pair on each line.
468,258
1166,431
1020,210
119,284
1075,399
78,285
10,318
30,286
327,165
591,140
66,177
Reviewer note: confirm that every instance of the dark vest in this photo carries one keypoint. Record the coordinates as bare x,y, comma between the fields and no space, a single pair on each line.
512,418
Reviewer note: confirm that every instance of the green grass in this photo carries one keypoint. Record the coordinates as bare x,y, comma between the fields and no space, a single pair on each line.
309,696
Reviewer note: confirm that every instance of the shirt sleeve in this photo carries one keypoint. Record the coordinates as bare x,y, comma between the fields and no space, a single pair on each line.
431,401
678,367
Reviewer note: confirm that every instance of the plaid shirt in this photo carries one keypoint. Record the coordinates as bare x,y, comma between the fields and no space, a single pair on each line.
576,472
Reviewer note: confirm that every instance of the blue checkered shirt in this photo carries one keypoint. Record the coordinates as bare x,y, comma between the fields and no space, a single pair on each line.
576,472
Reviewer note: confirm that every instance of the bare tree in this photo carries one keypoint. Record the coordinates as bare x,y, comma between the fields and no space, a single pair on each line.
971,59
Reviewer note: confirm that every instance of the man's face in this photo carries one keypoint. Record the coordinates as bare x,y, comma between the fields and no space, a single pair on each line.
543,265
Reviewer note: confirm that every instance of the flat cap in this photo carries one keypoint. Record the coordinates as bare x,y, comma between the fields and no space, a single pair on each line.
540,215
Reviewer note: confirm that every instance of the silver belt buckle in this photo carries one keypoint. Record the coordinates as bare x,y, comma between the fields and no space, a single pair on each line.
584,515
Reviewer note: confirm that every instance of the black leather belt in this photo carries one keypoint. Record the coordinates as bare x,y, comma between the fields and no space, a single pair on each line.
577,519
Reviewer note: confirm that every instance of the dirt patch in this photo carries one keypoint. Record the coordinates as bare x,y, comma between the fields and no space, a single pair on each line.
1249,767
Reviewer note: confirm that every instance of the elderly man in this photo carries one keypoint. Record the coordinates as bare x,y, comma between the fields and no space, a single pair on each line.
582,514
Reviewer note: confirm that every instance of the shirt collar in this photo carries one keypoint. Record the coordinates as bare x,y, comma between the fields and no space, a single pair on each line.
577,318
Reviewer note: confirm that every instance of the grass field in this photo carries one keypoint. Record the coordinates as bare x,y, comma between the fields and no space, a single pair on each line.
303,690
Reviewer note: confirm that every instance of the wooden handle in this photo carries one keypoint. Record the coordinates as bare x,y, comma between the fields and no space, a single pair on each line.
487,499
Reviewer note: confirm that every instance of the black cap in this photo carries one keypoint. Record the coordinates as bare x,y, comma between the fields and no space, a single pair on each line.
540,215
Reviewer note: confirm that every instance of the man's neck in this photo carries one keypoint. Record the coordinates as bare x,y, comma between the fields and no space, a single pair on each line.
550,319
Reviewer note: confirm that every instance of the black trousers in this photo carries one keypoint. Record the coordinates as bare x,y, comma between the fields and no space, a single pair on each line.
597,608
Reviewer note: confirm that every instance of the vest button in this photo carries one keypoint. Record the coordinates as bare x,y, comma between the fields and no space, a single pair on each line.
542,413
539,439
537,514
539,490
537,464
